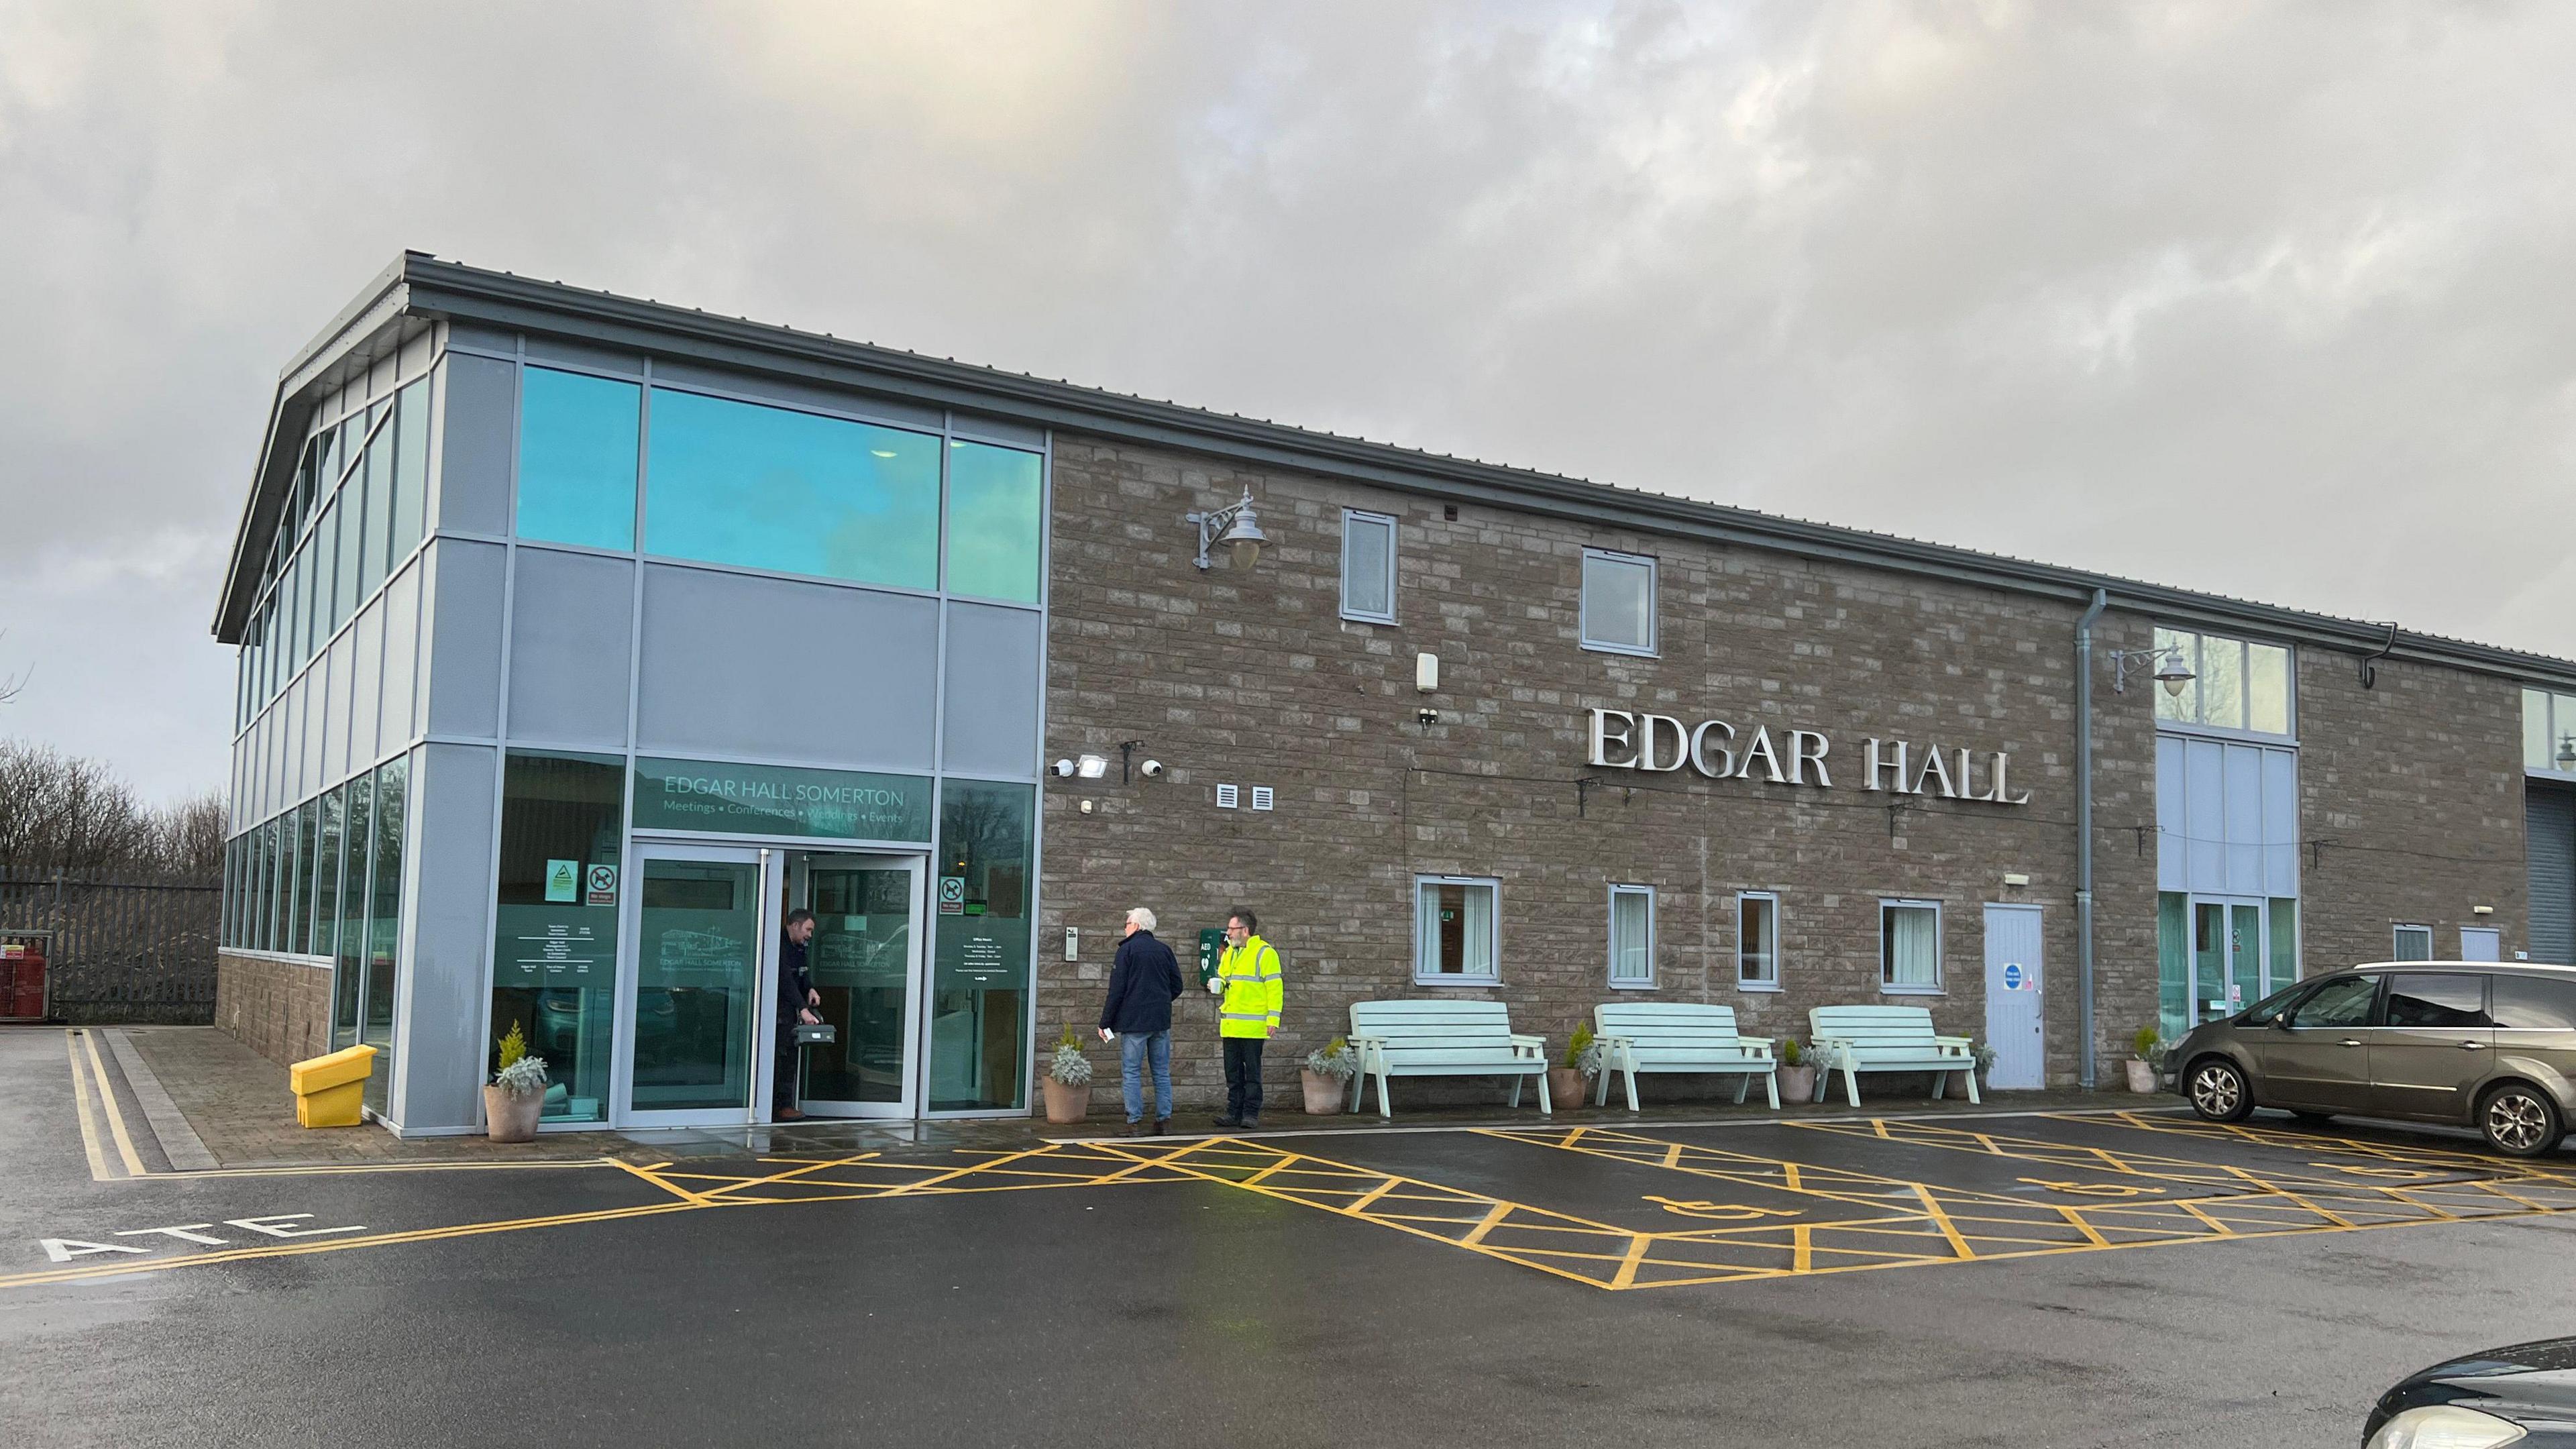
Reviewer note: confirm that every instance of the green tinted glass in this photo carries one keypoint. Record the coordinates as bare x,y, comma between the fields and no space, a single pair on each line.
996,522
577,458
770,488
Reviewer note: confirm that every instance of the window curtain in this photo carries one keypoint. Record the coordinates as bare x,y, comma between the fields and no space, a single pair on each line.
1630,926
1913,946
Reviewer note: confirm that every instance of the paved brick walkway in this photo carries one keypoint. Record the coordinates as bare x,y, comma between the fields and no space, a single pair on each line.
237,1103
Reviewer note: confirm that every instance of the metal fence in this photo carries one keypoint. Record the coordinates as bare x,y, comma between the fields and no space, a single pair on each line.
122,951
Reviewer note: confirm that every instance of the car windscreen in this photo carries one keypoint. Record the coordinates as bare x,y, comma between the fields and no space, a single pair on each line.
2261,1013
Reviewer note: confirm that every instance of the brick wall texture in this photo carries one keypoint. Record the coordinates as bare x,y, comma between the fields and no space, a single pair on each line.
2411,792
278,1009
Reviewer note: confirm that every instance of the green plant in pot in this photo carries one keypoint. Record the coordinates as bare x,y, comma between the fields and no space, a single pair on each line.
1797,1071
1326,1076
2146,1058
1566,1081
1068,1080
516,1096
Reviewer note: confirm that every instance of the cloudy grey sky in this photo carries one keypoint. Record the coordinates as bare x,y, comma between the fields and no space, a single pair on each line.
2268,300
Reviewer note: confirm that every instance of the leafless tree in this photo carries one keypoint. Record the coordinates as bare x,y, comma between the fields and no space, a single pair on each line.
63,813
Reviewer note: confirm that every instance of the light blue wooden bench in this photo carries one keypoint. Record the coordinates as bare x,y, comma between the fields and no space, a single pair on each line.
1856,1039
1442,1039
1678,1036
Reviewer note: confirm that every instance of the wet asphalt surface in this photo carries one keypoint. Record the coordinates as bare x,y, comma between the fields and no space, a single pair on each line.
1170,1307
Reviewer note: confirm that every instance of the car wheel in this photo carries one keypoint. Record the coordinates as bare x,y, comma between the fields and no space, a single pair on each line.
2520,1121
2219,1092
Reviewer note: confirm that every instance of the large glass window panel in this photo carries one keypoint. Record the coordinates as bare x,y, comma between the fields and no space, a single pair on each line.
1368,566
1632,935
409,505
299,889
555,956
1910,946
2267,688
332,808
996,521
979,998
264,933
577,440
291,643
768,488
2182,707
2284,960
376,532
2562,731
1618,602
2173,965
1454,930
384,923
861,961
353,529
2222,682
2537,746
697,964
348,971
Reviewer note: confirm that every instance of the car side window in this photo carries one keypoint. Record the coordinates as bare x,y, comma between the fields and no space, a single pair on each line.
2262,1012
2343,1002
2531,1003
2449,1001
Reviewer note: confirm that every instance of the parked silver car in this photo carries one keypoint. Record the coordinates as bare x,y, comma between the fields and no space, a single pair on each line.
2481,1044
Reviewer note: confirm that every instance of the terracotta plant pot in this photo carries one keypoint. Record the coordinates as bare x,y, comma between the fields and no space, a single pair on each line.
1323,1094
2142,1075
1567,1087
511,1119
1066,1104
1798,1083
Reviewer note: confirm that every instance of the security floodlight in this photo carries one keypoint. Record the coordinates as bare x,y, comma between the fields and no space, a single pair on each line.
1092,767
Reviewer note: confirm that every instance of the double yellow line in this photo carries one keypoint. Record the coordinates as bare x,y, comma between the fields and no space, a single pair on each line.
81,1078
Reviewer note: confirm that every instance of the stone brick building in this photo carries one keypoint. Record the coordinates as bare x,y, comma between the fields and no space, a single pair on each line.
1457,729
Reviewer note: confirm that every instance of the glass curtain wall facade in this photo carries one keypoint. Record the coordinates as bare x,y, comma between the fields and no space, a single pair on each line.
849,540
323,702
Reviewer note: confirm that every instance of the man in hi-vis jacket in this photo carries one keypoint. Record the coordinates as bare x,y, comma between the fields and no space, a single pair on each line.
1248,993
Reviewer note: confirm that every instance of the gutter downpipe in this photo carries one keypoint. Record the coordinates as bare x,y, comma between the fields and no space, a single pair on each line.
2084,834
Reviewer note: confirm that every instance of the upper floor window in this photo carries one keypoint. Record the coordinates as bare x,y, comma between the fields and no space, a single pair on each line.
2549,731
799,493
2235,684
577,441
1618,602
1368,567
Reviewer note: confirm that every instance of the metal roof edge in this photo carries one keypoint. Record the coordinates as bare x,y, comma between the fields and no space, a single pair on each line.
435,286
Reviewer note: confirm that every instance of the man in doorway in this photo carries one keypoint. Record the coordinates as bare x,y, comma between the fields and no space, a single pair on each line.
1248,993
1143,984
797,999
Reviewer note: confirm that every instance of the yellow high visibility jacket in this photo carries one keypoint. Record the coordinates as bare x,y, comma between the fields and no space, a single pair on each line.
1250,1005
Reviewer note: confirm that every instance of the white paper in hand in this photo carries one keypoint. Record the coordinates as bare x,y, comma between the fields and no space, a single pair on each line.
1216,986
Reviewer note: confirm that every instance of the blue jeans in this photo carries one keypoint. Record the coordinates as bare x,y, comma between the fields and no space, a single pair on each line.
1133,1049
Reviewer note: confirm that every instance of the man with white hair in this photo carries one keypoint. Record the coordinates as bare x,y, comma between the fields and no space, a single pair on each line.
1143,984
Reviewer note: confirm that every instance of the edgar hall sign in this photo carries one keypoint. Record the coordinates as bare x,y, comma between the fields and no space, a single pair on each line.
1627,740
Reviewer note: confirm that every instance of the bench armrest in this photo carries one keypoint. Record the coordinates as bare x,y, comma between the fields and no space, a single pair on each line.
1529,1046
1368,1048
1755,1046
1957,1046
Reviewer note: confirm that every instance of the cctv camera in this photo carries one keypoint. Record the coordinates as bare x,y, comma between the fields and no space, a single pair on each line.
1153,769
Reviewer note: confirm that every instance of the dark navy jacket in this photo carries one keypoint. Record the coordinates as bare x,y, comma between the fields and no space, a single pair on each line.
793,980
1142,987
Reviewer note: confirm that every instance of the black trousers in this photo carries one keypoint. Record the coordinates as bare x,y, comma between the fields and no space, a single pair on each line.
1243,1077
782,1092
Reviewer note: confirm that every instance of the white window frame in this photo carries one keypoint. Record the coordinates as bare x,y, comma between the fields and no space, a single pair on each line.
1772,899
1939,967
1354,515
1422,976
1654,611
2398,929
1632,983
2555,724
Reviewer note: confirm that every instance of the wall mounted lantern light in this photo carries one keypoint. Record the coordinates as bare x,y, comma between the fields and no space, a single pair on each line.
2567,752
2170,671
1232,527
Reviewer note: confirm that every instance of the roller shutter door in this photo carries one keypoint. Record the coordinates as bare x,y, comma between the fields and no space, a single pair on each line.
2552,823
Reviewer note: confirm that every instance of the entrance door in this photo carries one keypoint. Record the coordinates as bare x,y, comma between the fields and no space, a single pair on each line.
865,959
2227,939
2014,998
692,1036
